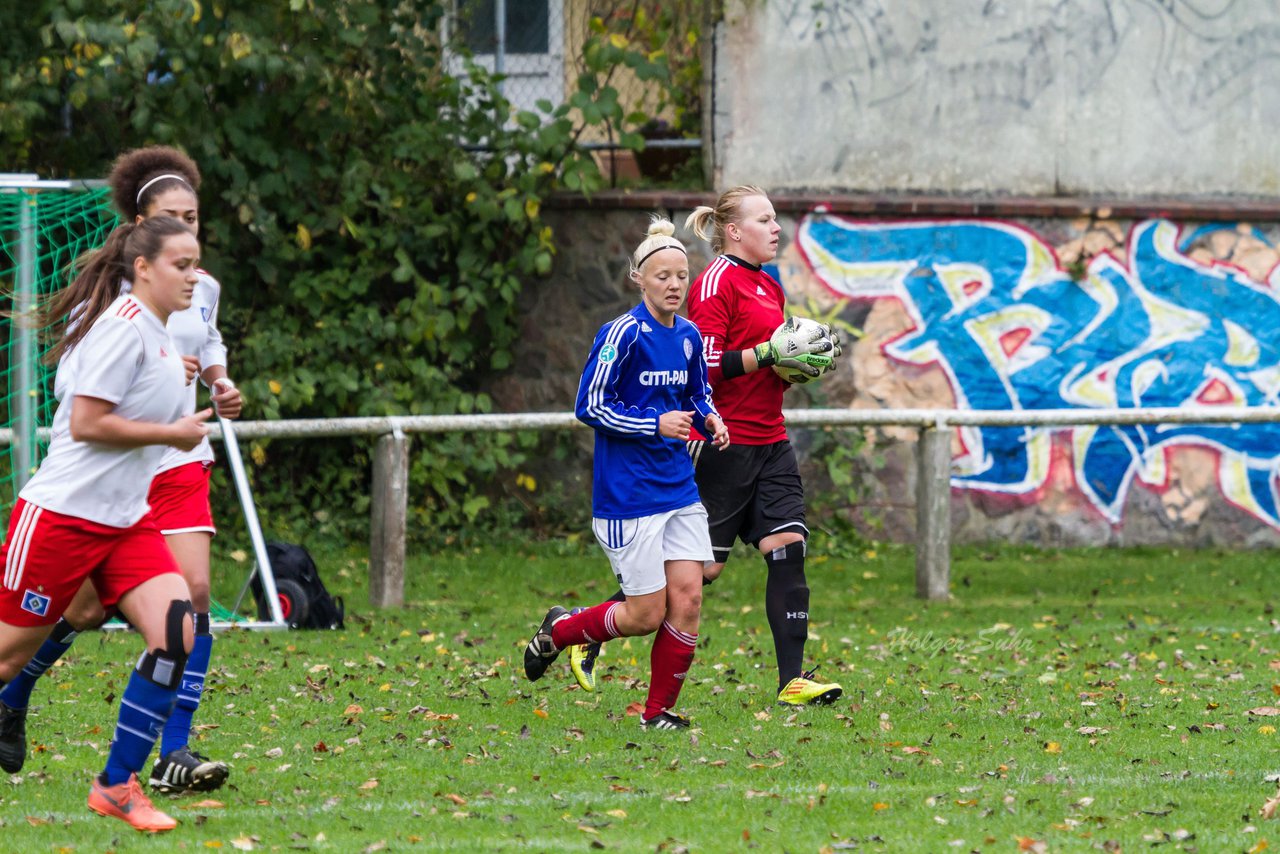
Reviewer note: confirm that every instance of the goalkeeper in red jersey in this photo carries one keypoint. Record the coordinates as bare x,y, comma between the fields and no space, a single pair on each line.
752,491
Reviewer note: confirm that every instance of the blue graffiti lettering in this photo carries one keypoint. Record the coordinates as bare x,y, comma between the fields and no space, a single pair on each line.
992,307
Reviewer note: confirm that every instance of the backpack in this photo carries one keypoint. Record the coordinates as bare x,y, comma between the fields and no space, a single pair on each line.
304,601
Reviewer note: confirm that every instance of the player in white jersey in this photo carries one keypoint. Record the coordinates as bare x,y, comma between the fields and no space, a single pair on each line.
84,514
149,182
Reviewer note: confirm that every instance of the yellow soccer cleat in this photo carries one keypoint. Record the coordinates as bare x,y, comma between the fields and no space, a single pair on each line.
804,691
582,661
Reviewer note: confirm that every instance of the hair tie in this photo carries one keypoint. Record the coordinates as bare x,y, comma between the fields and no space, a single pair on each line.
143,188
675,244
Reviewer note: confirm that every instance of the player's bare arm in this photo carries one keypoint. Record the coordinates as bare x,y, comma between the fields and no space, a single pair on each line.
95,420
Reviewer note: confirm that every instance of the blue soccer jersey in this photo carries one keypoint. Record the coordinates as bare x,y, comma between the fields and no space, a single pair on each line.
639,370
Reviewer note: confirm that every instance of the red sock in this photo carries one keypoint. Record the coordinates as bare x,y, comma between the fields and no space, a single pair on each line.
593,625
668,662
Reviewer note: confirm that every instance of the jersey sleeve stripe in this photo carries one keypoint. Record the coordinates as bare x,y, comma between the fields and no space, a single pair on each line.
600,381
711,281
710,353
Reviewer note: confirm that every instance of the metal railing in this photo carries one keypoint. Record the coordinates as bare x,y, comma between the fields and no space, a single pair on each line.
390,488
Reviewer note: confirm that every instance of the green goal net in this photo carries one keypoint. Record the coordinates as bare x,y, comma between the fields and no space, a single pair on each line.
44,227
43,230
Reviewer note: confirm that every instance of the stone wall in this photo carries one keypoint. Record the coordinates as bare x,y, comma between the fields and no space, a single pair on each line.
1017,304
1044,97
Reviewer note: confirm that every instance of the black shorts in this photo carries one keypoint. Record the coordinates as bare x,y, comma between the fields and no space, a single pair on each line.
750,491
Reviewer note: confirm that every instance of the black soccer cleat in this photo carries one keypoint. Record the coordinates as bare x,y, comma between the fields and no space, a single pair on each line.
182,770
13,738
664,720
541,650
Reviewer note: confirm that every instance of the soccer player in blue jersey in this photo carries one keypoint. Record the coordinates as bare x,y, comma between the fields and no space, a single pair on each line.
643,385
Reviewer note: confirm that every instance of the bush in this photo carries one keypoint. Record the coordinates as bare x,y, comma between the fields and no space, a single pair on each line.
372,216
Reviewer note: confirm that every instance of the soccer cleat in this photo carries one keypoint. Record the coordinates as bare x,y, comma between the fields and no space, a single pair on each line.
126,802
664,720
582,661
541,650
182,770
803,691
13,738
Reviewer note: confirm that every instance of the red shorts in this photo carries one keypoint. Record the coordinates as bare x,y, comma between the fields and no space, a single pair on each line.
179,500
47,556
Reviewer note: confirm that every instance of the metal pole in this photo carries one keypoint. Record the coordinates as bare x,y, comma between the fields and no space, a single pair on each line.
23,392
500,43
263,568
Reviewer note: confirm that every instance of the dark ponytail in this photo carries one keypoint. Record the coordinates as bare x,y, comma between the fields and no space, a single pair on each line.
70,313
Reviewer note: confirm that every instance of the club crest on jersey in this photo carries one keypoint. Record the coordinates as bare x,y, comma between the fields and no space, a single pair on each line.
35,603
163,354
608,353
688,349
204,313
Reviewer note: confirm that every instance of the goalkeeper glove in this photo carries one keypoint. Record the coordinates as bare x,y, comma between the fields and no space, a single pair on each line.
794,338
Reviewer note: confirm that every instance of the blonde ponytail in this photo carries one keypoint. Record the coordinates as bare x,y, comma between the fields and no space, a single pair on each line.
728,209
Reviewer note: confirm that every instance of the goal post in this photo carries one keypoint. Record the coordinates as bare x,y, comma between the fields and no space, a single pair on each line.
44,227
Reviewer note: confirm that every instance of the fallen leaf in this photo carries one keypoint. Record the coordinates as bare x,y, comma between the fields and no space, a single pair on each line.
1264,711
369,784
542,713
1053,747
244,843
457,799
206,804
1269,808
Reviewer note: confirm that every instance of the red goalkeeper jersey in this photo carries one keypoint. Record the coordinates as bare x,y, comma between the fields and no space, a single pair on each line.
736,306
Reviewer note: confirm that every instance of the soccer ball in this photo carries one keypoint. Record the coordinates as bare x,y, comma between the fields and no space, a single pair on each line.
799,329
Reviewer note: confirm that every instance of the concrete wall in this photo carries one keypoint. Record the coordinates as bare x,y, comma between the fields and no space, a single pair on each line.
997,311
1037,97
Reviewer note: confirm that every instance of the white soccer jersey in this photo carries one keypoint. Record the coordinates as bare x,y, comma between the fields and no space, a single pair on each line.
129,359
195,333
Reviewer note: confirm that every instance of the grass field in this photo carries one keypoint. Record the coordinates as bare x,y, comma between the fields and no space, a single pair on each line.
1063,701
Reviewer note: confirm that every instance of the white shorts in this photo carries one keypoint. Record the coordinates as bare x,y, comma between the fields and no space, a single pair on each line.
638,549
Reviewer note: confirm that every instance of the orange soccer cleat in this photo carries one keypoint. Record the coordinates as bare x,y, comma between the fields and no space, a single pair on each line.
127,802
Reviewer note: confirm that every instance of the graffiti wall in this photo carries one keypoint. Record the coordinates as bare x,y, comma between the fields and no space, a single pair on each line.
1025,314
1036,97
985,314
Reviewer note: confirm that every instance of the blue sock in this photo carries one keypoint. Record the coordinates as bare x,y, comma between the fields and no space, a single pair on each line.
177,732
17,694
144,707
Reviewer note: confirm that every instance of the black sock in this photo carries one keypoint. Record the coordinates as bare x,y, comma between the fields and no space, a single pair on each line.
786,603
617,597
